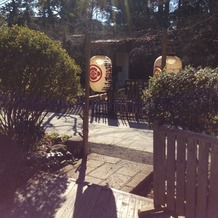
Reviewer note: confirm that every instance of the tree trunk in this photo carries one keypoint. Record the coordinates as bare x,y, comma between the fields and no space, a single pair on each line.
164,36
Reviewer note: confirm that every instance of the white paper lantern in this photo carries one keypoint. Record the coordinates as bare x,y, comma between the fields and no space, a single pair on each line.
173,64
100,77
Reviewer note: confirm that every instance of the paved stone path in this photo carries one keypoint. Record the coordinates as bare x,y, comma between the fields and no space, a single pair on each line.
122,133
120,150
109,171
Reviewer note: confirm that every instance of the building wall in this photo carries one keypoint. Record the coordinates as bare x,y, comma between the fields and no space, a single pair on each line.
122,67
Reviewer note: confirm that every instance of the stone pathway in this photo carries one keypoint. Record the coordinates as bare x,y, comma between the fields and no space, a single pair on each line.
120,150
109,171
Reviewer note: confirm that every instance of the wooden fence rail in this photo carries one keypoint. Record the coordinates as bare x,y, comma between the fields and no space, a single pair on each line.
126,101
121,106
185,172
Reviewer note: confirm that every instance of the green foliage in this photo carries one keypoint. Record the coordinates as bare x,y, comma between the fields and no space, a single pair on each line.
18,12
188,99
57,138
34,72
32,64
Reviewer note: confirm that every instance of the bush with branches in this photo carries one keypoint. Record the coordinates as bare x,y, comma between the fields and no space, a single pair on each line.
35,74
188,99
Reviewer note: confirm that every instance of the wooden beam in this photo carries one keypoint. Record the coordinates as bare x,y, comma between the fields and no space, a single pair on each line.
164,36
98,96
86,102
164,48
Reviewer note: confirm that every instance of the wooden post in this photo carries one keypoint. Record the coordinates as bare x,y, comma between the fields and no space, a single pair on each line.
86,100
164,48
164,36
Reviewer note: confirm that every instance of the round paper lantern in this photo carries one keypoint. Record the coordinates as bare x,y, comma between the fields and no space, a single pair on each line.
173,64
100,77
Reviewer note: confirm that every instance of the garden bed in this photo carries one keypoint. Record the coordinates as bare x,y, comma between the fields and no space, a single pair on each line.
17,167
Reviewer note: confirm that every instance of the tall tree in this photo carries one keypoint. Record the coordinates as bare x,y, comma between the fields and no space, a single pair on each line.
18,12
11,12
48,10
27,12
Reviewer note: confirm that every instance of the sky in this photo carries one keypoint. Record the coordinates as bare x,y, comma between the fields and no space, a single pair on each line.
100,16
2,2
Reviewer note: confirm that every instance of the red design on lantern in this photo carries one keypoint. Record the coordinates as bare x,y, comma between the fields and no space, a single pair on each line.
157,70
95,73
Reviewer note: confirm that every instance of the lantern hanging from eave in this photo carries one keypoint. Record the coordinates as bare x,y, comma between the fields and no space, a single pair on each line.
100,77
173,64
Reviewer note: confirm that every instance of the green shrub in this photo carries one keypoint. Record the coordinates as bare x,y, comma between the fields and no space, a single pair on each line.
35,74
188,99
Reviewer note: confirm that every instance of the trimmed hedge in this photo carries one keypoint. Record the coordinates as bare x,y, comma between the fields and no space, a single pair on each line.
188,99
35,72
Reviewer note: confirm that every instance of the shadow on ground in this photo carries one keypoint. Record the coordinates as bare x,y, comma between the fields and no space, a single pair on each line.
95,201
26,192
122,153
40,197
117,120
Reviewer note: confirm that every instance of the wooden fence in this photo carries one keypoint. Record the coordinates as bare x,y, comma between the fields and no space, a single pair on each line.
126,101
119,107
185,172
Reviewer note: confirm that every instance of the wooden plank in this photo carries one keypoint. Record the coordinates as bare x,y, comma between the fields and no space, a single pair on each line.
191,178
112,206
68,206
155,162
140,202
70,200
161,169
132,207
87,201
188,134
137,207
170,198
180,176
70,192
100,208
144,213
202,188
118,200
86,99
159,166
124,206
213,192
75,200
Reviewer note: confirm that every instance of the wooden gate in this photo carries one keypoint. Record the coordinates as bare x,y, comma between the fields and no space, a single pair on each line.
185,172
